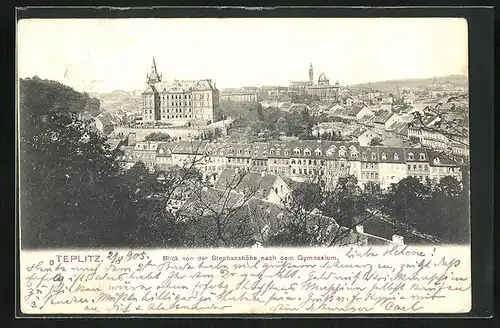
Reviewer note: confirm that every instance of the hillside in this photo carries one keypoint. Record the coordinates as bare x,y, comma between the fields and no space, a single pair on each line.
454,80
128,101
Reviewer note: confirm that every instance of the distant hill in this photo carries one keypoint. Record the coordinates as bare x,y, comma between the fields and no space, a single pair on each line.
119,99
454,80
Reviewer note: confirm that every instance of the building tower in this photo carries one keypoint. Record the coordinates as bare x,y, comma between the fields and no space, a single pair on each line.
153,77
311,74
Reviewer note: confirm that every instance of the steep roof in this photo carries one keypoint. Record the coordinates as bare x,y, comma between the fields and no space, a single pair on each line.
253,183
382,116
190,147
356,109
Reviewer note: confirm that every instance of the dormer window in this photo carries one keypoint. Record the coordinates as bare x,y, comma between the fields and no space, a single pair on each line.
354,154
411,156
363,155
384,156
396,156
296,151
278,151
318,152
247,151
307,152
231,150
374,156
342,153
239,151
161,151
421,156
286,152
271,151
264,153
329,153
437,160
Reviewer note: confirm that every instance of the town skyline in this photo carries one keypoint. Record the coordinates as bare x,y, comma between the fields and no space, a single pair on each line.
119,61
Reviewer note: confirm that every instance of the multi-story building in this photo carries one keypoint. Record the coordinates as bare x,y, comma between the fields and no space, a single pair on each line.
239,95
301,160
181,102
324,90
429,137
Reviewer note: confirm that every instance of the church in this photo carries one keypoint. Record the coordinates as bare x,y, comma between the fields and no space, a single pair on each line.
181,102
323,89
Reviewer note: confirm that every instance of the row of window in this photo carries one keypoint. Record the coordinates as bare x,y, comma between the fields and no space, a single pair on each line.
307,172
418,167
176,110
176,116
310,162
369,175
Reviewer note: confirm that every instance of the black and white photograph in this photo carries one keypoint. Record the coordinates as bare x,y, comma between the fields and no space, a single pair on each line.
248,132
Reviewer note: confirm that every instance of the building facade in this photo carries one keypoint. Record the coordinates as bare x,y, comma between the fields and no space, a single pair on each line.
181,102
239,95
301,160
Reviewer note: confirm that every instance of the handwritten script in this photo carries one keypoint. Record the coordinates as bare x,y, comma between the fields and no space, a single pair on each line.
394,279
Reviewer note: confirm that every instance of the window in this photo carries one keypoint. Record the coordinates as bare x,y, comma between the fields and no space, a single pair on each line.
384,156
374,156
421,156
396,156
409,167
411,156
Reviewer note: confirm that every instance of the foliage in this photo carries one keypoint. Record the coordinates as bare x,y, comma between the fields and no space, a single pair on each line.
158,136
73,192
376,141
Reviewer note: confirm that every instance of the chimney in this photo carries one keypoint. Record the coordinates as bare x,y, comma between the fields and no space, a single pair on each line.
360,229
397,239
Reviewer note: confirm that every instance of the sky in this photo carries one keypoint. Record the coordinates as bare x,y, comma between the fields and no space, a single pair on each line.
102,55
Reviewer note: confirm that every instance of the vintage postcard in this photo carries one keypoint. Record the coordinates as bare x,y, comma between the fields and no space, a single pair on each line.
243,166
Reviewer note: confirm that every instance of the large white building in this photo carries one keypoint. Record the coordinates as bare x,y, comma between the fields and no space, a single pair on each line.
181,102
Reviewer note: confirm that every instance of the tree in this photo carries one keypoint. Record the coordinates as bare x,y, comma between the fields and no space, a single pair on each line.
317,215
450,208
70,178
158,136
73,191
218,216
376,141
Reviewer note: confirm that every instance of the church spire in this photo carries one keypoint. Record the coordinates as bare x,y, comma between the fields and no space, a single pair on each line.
154,77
